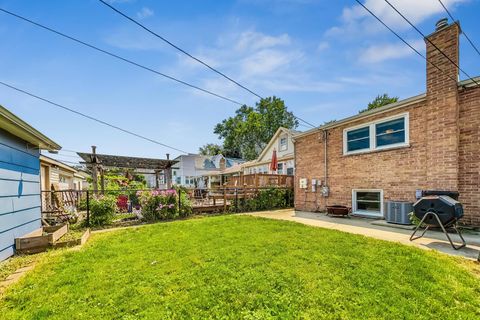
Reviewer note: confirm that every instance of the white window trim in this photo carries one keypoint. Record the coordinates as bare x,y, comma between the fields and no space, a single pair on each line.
372,135
367,213
285,147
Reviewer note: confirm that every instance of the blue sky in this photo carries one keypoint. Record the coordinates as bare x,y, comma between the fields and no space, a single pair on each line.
326,59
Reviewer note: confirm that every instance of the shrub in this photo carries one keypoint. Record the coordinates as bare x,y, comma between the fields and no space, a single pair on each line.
102,210
186,208
272,198
158,205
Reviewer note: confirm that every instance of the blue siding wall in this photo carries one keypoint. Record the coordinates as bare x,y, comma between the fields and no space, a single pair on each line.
20,204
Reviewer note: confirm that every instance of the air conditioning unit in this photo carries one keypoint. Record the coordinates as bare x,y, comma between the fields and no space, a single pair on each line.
397,212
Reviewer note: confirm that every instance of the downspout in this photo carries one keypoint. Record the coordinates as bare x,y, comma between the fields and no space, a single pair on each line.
325,189
325,138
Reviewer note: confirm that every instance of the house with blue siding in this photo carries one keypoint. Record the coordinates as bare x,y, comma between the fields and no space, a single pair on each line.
20,203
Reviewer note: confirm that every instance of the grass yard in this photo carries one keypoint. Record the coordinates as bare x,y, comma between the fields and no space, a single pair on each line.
240,267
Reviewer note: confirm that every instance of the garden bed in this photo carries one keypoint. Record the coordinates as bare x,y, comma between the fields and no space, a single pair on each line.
51,237
75,238
40,239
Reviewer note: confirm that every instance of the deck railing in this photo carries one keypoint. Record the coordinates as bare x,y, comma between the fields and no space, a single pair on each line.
261,180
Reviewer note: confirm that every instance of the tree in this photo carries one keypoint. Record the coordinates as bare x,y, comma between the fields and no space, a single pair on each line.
251,128
380,101
210,149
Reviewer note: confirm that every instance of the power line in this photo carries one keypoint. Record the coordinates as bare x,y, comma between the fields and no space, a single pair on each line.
188,54
127,60
91,46
61,154
90,117
463,31
178,48
429,41
404,41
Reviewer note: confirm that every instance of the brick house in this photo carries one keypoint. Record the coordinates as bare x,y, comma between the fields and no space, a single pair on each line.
427,142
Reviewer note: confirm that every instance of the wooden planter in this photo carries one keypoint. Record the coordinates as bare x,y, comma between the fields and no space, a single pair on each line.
337,210
73,243
37,241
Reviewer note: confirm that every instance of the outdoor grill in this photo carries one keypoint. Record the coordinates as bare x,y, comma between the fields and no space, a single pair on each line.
438,211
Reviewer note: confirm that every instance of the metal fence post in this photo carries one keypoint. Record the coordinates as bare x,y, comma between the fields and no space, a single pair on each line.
179,200
88,208
236,200
224,199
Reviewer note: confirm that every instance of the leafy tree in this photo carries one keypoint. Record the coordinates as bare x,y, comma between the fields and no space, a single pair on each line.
249,130
329,122
380,101
210,149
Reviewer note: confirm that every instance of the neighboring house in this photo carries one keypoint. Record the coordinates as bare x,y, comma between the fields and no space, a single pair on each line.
59,176
80,180
427,142
194,170
151,178
282,142
20,204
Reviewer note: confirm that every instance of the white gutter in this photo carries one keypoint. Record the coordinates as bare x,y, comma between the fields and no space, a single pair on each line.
366,114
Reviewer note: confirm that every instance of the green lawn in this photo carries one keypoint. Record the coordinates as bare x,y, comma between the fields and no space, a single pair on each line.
240,267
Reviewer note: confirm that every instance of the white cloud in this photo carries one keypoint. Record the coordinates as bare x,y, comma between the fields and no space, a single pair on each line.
382,52
322,46
356,19
250,41
145,13
270,64
264,62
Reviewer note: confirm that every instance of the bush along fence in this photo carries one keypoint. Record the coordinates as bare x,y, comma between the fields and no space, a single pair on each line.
155,205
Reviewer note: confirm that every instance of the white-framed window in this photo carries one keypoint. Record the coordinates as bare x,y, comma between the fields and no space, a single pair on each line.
381,134
283,144
367,202
290,171
280,168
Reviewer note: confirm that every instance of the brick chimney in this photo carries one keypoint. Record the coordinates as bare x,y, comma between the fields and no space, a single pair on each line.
442,134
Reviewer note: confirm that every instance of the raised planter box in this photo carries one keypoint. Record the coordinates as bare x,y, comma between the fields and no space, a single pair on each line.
75,242
38,241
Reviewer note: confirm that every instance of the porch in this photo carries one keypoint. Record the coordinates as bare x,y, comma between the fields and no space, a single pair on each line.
376,229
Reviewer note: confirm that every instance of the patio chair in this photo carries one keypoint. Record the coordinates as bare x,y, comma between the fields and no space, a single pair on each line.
200,197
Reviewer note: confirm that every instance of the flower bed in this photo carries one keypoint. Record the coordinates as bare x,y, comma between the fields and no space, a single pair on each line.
162,204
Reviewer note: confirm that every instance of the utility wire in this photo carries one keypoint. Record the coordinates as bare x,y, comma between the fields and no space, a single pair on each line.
188,54
127,60
91,46
429,41
463,31
178,48
404,41
61,154
90,117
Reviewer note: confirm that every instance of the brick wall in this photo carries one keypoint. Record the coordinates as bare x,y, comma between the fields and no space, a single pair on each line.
443,153
397,172
469,154
442,110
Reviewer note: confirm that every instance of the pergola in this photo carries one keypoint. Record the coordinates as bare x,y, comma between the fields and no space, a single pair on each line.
97,162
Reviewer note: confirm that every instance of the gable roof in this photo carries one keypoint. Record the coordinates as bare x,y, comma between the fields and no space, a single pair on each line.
45,159
274,138
16,126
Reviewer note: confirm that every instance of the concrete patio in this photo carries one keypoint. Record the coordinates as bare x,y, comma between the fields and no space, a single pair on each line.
378,229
